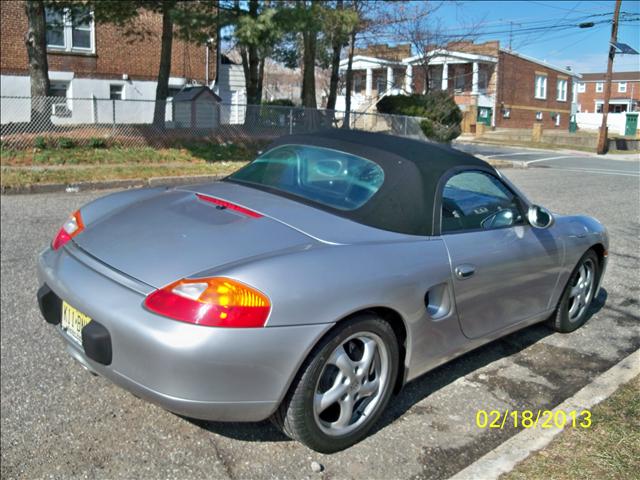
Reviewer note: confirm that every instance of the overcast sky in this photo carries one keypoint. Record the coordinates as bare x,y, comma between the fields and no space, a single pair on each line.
550,35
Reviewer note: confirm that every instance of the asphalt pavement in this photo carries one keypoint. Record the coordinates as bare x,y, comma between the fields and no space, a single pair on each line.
58,421
568,160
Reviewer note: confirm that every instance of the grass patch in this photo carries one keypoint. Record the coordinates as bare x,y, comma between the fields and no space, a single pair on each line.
14,177
610,449
186,153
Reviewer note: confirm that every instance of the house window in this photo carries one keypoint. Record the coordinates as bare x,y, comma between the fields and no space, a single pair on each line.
538,115
116,92
599,107
55,28
562,91
381,86
60,106
541,87
482,80
582,87
357,84
458,82
599,87
622,87
58,89
506,113
557,118
70,30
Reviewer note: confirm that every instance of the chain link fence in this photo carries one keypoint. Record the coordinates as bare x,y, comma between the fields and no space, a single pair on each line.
42,122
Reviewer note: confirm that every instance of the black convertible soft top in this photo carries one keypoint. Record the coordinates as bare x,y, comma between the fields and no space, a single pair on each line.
406,201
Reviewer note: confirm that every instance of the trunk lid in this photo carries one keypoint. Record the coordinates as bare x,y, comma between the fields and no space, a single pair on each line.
175,234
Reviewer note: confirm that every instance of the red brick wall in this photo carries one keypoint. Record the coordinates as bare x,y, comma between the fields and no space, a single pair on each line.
516,90
115,54
587,99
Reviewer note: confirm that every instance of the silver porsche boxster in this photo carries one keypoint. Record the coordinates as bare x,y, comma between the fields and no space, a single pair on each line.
312,284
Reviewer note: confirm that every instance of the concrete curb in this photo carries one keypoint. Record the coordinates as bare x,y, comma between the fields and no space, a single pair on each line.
108,184
502,163
504,458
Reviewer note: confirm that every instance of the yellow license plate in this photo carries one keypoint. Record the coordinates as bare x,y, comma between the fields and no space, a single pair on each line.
73,321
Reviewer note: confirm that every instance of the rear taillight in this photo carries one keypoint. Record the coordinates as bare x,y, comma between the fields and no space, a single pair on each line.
70,229
215,302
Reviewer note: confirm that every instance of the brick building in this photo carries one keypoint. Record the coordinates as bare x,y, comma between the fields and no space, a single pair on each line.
625,92
89,60
493,86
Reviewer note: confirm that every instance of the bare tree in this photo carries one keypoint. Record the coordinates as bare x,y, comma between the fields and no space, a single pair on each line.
419,25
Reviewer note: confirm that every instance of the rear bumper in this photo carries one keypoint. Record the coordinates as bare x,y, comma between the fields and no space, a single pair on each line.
201,372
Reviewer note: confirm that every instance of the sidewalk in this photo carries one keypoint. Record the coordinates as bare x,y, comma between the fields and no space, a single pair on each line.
616,155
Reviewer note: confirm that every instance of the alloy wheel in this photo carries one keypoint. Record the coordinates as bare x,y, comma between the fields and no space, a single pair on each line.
582,289
351,384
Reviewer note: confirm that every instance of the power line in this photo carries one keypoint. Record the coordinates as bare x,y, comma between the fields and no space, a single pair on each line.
560,8
559,21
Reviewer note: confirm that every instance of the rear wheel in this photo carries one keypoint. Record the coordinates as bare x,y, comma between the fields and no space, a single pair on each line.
578,294
343,387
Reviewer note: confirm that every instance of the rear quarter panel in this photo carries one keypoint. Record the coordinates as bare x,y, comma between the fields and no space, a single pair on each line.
326,283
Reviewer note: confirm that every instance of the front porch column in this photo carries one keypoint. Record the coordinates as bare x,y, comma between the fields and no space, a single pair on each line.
445,76
408,79
369,83
389,78
474,78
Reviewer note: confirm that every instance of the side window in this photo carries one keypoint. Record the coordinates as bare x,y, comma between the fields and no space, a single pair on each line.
475,200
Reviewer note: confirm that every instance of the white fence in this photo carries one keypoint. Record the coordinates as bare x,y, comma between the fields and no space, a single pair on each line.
592,121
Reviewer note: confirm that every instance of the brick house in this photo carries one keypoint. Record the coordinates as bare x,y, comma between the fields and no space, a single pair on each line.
96,61
493,86
625,92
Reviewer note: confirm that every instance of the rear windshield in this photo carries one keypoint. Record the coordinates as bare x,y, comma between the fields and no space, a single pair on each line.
332,178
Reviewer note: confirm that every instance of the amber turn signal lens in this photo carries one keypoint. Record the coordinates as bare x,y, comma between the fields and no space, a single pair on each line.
215,302
70,229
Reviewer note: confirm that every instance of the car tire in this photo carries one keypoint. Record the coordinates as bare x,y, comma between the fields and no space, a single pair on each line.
578,294
352,371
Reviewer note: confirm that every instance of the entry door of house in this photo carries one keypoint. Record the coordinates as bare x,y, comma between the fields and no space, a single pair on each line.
632,125
484,115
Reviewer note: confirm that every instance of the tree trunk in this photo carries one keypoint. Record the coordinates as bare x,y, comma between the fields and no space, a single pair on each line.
36,43
162,90
309,39
335,68
349,86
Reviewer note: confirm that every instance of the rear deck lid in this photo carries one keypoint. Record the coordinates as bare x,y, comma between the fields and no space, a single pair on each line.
176,234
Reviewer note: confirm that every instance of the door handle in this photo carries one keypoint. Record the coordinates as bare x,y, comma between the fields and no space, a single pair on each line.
464,271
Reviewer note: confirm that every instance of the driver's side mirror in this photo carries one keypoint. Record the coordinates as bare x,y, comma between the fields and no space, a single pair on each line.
539,217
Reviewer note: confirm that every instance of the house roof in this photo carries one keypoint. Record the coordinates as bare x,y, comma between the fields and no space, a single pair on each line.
191,93
615,76
362,61
566,71
441,55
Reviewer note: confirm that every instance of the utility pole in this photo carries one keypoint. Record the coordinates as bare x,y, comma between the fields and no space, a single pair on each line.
602,139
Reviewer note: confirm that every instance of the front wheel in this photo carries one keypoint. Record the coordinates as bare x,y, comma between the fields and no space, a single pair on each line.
578,294
343,387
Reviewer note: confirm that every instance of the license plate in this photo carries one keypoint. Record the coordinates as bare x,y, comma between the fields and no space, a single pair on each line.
73,321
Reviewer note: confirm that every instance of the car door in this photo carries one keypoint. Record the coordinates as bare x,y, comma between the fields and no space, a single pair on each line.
504,271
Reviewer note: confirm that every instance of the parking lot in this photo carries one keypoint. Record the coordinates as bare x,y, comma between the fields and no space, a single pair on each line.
58,420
